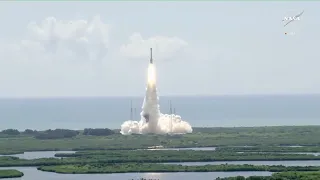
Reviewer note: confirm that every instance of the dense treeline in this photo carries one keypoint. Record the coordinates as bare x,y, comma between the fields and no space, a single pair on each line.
314,175
30,132
16,162
249,178
291,175
302,130
202,137
86,131
56,134
145,167
10,132
182,156
60,133
270,135
98,132
10,173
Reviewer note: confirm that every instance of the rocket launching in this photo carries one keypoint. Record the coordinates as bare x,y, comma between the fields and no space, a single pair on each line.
152,120
151,60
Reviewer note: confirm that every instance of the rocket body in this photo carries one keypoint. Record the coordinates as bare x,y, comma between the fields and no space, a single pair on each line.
151,60
150,107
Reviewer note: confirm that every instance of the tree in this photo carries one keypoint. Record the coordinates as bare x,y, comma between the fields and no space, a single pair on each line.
98,132
11,132
29,131
57,134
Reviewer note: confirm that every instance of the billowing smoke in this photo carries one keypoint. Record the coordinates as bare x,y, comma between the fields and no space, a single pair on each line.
152,120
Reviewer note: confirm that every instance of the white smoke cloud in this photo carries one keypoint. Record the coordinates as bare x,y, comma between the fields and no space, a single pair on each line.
152,120
163,47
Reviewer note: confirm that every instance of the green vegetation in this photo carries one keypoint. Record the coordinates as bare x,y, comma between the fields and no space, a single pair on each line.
181,156
145,167
291,175
298,175
10,173
15,161
147,156
30,132
105,151
10,132
98,132
10,152
272,149
65,133
31,140
249,178
56,134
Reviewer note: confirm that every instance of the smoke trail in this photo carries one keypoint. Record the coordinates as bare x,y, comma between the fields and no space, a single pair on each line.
152,120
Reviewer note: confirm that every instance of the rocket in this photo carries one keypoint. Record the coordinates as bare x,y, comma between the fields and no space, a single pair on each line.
146,115
151,60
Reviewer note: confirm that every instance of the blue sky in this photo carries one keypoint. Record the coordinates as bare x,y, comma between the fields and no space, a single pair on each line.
53,49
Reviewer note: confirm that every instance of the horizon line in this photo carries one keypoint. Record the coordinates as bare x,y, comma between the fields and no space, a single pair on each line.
203,127
172,95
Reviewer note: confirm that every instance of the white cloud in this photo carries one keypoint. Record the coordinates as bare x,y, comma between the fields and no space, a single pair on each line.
55,57
163,47
73,40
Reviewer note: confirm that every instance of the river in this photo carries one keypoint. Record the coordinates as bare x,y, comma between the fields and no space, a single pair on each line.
38,154
31,173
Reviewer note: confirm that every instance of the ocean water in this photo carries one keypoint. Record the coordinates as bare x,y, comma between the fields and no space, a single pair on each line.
111,112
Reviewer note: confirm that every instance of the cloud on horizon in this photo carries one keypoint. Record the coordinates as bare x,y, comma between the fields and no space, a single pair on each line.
74,40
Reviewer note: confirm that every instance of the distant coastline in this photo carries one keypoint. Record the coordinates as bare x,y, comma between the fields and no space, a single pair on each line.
164,96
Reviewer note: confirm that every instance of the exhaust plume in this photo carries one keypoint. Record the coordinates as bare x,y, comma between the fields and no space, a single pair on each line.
152,120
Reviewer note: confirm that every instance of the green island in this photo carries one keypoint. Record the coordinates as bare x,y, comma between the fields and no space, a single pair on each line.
153,167
291,175
182,156
10,173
